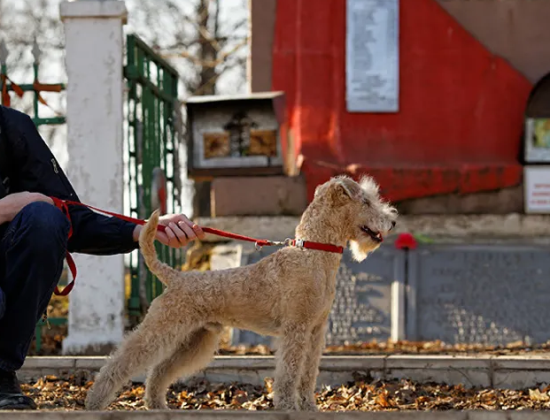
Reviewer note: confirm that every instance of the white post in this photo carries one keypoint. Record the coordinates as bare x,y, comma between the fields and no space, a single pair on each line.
94,60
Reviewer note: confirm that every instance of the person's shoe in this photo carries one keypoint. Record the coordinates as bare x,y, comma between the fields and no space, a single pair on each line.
11,396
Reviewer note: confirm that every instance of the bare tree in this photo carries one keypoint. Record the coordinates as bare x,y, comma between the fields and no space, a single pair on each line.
202,39
206,40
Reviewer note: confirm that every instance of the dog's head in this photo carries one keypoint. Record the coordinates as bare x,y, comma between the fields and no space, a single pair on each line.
365,216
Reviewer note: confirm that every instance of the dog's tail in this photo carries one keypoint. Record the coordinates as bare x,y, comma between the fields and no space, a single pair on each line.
164,272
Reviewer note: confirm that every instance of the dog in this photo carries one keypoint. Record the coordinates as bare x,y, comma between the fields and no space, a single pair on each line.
288,294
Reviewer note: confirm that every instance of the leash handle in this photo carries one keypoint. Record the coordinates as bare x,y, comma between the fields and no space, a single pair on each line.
62,205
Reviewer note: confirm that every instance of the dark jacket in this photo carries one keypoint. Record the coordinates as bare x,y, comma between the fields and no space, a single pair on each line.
27,164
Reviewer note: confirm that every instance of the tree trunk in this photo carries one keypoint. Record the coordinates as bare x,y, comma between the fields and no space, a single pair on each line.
207,48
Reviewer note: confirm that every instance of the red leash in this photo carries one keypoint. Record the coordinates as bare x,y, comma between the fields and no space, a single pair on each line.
63,205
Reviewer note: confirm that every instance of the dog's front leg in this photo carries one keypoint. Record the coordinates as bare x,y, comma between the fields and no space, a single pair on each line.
308,380
290,361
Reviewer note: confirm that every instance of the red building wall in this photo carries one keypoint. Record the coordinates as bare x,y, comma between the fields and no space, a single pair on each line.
461,111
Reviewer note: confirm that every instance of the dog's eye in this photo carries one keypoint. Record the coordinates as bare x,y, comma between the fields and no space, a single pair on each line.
366,202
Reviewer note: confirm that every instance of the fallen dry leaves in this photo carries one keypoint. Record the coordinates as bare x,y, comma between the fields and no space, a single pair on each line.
52,393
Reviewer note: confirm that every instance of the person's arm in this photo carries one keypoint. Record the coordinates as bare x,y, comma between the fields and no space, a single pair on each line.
34,168
93,233
12,204
97,234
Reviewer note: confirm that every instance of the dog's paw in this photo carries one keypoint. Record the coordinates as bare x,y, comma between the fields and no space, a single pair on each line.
308,405
92,404
156,405
286,405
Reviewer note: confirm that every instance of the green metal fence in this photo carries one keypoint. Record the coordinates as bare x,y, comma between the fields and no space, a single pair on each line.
153,140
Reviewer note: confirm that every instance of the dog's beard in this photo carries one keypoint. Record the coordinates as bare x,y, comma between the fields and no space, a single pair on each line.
360,250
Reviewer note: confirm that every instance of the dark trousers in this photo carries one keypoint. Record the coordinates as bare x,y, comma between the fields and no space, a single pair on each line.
32,250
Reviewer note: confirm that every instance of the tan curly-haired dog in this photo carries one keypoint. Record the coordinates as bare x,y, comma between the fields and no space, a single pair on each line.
288,294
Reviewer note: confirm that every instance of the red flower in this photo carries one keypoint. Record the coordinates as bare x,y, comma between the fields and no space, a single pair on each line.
406,241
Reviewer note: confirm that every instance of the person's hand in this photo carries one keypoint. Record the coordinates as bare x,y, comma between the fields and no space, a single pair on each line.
12,204
179,230
178,233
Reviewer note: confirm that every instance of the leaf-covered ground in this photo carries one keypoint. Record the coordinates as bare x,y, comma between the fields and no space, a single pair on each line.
53,393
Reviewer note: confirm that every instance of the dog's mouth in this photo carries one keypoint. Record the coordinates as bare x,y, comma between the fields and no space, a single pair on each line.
375,236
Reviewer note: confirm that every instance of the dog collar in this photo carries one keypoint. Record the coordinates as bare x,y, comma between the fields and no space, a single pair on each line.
300,243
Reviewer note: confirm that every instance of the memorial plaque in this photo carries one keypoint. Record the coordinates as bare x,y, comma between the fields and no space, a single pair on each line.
362,309
479,294
372,56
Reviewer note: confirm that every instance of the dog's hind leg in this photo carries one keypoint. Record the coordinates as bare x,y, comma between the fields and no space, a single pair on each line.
191,356
150,342
308,380
291,355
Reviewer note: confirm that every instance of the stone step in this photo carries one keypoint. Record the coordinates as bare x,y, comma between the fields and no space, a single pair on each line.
509,372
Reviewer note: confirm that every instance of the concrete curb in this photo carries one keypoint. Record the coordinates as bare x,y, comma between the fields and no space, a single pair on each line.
273,415
511,372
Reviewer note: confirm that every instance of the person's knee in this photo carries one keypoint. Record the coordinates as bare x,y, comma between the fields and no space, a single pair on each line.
45,221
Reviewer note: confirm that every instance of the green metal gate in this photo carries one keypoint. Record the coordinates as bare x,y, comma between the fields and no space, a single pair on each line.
153,133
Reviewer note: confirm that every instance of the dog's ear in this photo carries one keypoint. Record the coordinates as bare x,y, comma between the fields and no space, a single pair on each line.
338,188
320,189
348,186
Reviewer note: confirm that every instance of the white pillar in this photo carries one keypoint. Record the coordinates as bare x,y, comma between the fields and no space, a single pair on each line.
94,60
